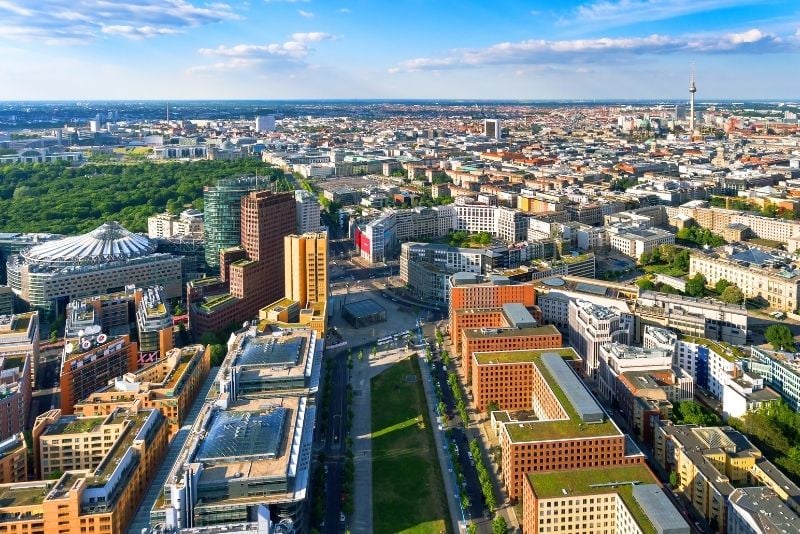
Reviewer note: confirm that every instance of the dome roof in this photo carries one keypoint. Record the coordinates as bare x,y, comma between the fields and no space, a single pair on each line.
108,242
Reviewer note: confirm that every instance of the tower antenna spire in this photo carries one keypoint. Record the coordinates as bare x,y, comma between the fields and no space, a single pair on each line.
692,91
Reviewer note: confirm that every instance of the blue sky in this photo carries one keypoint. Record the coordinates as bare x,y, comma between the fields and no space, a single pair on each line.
501,49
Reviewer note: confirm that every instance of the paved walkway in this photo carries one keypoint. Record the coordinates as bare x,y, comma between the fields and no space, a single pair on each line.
362,373
141,520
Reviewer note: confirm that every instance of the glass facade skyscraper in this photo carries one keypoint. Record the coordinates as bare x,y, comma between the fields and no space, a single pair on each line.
222,218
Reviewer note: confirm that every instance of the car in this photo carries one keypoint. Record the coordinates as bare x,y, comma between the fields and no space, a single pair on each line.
326,469
342,518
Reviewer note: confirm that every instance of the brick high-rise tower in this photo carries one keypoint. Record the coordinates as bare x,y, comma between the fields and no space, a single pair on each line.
253,273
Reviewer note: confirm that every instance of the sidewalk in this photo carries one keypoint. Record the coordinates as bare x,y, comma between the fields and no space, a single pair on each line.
450,490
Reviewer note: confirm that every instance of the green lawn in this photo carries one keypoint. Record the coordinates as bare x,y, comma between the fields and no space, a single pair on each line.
407,488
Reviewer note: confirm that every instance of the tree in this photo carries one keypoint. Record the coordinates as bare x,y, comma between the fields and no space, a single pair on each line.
499,525
732,295
442,408
721,285
780,337
472,528
645,284
646,258
696,285
673,478
492,406
691,413
217,354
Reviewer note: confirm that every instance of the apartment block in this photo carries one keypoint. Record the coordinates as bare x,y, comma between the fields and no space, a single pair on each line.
779,372
19,336
564,429
13,459
710,363
515,336
711,463
633,241
609,500
617,358
168,385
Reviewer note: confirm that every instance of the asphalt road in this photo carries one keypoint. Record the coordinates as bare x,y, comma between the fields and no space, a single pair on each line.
333,444
473,486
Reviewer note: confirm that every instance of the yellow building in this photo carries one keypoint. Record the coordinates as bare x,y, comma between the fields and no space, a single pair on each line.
169,385
306,267
710,462
101,498
306,285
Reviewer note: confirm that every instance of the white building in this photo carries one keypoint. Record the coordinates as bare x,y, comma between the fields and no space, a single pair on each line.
188,224
711,364
617,358
759,510
591,326
265,123
307,212
634,241
745,393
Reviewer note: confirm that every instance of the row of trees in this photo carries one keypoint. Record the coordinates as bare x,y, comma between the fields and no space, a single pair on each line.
483,475
59,198
768,210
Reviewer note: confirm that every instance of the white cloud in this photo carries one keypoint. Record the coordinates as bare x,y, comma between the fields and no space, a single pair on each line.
80,21
608,13
287,1
311,37
16,9
291,53
306,14
539,51
344,10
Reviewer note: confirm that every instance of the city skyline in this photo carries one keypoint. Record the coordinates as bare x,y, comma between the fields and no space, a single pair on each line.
312,49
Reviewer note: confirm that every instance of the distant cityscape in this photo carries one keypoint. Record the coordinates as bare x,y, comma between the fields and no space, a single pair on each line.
411,316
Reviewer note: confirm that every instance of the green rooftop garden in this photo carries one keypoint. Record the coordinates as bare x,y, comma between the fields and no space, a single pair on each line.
216,301
523,356
23,495
576,259
76,426
597,481
572,427
726,350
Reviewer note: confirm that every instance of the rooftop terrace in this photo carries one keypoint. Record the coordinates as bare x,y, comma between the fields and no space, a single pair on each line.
571,428
522,356
619,480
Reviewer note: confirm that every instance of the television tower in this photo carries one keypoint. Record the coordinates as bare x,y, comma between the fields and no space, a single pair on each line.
692,91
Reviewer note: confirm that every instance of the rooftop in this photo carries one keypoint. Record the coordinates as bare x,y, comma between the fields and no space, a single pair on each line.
522,356
74,425
238,435
23,494
619,480
570,428
726,350
547,330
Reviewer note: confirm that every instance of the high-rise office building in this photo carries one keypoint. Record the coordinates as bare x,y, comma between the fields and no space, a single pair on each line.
265,123
306,267
222,206
491,128
251,275
307,212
